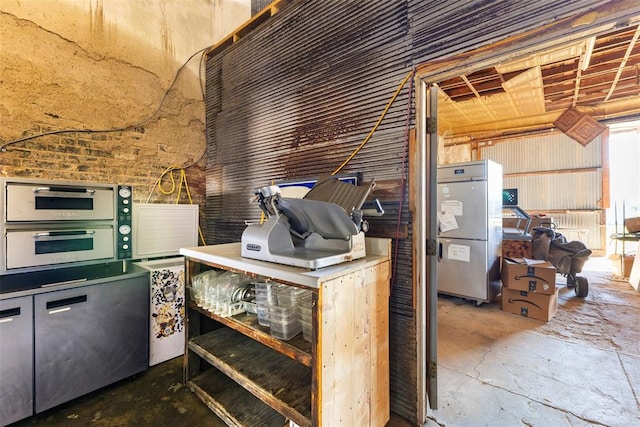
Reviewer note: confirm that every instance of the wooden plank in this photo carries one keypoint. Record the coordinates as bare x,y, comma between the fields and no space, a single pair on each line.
387,190
338,342
413,170
247,324
191,366
280,382
380,365
221,395
246,28
316,345
355,348
605,203
362,349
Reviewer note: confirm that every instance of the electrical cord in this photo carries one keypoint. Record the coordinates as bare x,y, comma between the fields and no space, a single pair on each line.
170,169
409,77
375,127
183,182
403,177
3,147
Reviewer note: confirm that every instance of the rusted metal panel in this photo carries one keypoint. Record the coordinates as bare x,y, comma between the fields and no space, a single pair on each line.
441,29
296,96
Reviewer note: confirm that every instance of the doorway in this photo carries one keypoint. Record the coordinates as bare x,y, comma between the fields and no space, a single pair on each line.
435,144
624,158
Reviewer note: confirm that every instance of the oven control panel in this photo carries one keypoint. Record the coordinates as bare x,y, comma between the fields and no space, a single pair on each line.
124,221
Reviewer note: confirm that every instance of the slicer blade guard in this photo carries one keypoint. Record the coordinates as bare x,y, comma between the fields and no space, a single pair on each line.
323,228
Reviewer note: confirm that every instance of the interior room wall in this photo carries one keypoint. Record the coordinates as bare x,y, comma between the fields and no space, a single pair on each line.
102,65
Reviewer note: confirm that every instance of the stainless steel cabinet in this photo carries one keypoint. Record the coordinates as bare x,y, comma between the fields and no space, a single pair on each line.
89,337
16,359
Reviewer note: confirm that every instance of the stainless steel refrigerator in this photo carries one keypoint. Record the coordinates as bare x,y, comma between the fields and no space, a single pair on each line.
470,229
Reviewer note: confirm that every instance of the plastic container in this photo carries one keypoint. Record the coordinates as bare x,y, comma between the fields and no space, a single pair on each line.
304,313
224,294
289,295
251,307
265,292
262,311
282,314
305,307
307,330
285,330
199,285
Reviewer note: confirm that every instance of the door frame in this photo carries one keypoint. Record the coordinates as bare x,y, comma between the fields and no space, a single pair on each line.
583,25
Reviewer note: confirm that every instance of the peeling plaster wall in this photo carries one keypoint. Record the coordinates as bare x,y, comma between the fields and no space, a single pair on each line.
89,64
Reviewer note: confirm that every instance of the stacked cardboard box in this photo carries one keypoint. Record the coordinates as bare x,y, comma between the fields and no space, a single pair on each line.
622,266
529,288
632,224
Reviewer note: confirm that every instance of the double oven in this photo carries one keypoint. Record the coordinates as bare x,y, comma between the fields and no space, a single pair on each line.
48,224
74,311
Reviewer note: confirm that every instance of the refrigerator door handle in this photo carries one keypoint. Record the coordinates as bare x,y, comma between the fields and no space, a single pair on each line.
439,251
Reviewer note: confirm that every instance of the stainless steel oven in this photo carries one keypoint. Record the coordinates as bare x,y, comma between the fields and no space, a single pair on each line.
48,202
46,223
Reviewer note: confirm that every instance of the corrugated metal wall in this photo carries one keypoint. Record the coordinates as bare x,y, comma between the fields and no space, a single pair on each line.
554,173
298,94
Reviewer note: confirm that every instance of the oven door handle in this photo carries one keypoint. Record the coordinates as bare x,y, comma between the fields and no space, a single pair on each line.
63,233
9,314
64,190
62,305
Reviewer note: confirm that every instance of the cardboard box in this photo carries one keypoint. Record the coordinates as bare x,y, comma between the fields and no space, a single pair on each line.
529,275
530,304
634,277
516,248
632,224
622,267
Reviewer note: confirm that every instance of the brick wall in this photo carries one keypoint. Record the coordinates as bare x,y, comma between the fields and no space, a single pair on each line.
52,83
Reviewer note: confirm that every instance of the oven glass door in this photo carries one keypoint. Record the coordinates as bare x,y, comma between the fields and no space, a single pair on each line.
31,248
29,202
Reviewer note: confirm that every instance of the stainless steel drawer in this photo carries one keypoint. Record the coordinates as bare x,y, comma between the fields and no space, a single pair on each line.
33,202
16,359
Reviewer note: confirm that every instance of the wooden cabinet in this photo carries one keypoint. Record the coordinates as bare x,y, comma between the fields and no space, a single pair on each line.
341,377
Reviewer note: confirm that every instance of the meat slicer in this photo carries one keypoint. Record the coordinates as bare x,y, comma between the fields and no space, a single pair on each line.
323,228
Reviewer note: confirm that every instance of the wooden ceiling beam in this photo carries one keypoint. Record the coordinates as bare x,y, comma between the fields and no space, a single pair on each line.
623,63
588,52
615,108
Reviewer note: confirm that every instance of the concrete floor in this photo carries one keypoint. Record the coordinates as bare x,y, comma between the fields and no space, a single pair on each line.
582,368
155,397
495,369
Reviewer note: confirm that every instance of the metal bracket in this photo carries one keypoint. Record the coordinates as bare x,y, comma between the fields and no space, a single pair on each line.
432,246
432,125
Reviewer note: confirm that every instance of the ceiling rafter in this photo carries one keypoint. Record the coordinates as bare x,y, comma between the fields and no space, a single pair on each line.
600,74
632,44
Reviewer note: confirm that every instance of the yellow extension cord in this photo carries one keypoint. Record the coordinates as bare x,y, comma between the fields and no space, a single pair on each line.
183,180
183,175
375,127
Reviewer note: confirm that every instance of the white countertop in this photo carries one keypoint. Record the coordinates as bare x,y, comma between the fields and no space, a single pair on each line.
228,255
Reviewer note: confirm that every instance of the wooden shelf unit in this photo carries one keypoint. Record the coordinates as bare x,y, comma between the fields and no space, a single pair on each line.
250,378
